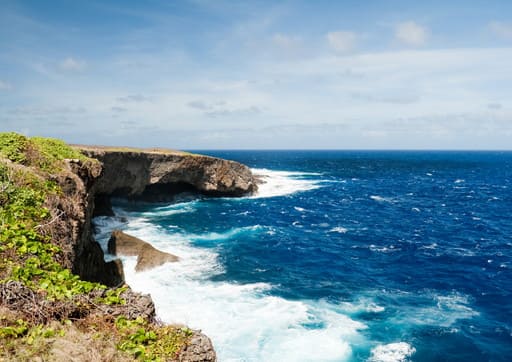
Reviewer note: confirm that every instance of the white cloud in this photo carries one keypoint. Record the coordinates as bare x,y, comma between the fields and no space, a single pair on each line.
5,85
411,33
200,105
341,41
135,98
286,42
409,96
72,64
503,30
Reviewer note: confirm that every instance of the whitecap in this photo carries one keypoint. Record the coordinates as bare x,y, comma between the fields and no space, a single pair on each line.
392,352
225,235
384,249
430,246
282,183
381,199
177,205
338,229
363,305
168,212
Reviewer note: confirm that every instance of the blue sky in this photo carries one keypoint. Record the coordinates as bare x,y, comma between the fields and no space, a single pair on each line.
196,74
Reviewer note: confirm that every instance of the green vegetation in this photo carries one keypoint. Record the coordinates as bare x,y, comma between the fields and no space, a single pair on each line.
48,299
53,151
29,256
149,342
13,146
113,296
44,154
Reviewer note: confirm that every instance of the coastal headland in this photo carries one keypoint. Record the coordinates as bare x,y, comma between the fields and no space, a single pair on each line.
57,294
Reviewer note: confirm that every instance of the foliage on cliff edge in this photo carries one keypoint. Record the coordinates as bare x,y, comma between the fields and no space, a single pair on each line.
43,306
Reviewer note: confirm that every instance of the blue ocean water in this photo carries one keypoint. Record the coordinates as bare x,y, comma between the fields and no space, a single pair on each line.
342,256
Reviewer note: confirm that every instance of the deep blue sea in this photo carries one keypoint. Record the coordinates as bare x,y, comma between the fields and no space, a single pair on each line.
341,256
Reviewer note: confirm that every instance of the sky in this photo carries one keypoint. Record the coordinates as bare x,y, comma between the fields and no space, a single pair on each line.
197,74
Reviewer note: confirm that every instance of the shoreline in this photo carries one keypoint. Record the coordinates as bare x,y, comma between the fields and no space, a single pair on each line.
66,182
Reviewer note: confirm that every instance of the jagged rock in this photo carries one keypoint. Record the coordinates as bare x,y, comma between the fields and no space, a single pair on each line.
147,256
199,349
150,258
137,305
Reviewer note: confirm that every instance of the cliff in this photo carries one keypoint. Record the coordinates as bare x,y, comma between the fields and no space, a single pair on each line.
47,200
72,211
159,175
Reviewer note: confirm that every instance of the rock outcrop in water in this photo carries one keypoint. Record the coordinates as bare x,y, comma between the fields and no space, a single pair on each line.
148,257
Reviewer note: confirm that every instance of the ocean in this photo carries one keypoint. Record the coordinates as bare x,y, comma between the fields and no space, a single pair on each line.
341,256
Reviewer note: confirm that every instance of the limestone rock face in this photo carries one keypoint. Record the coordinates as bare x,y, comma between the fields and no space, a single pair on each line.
70,226
148,257
134,172
200,349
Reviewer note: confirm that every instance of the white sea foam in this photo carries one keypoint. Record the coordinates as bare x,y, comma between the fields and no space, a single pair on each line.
225,235
103,227
282,183
392,352
168,211
108,222
243,320
381,199
384,249
446,310
430,246
338,229
247,323
363,305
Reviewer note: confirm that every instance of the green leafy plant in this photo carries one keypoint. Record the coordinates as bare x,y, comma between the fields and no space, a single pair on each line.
13,146
19,329
113,296
148,342
52,151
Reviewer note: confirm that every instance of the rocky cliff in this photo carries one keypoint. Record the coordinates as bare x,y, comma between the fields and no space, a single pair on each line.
72,212
47,201
158,175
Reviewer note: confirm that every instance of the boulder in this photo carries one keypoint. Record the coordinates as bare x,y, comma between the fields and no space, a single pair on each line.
148,257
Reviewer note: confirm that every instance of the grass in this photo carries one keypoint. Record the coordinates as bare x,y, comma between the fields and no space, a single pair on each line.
43,303
45,154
